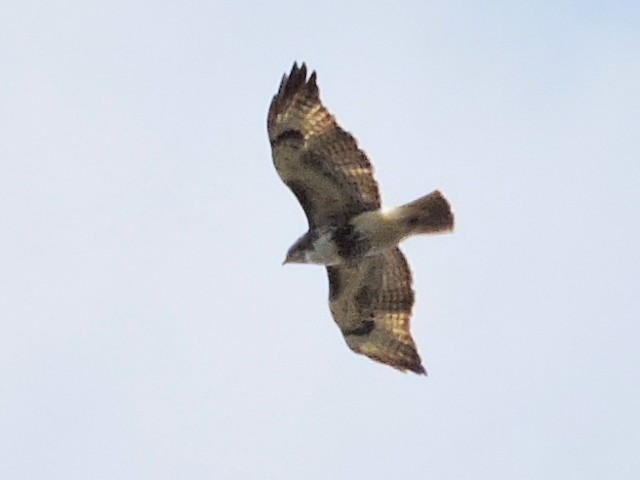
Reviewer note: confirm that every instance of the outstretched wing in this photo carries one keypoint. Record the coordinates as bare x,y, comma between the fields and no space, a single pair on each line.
371,302
321,163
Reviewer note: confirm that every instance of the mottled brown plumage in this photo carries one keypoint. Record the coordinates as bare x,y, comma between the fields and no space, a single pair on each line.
370,291
318,160
371,301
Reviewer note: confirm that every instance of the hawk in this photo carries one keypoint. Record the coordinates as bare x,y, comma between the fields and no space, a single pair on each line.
370,286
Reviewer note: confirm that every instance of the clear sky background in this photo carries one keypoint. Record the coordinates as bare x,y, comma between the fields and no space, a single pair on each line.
148,329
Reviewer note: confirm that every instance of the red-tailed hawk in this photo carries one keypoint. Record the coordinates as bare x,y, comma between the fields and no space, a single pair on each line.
370,292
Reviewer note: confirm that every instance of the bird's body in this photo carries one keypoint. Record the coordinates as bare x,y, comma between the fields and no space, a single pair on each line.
370,292
370,233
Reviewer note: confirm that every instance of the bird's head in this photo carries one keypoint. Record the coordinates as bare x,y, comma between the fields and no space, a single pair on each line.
316,246
301,250
295,256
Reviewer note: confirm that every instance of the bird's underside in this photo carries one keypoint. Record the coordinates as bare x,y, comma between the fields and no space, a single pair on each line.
370,284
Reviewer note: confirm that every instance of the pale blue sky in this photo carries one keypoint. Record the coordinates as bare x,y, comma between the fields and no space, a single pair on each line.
148,329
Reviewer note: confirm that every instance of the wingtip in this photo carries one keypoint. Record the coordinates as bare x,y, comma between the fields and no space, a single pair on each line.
290,85
416,368
312,80
298,70
302,71
420,371
412,364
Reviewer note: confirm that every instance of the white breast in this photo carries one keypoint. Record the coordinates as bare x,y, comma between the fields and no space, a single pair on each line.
324,251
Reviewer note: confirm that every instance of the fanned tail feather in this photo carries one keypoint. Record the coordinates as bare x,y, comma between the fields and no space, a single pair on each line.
427,215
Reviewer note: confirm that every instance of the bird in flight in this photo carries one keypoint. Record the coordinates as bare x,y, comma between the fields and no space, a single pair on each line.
370,285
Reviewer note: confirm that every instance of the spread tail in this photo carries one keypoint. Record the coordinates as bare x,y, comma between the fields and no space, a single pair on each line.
427,215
